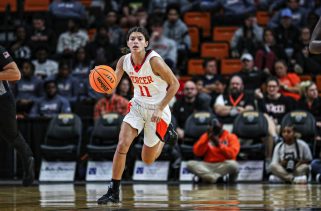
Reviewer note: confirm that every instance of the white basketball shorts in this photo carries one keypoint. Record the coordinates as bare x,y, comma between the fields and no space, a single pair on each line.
139,117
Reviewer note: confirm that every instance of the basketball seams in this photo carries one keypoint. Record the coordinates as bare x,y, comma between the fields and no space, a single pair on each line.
111,71
95,81
103,78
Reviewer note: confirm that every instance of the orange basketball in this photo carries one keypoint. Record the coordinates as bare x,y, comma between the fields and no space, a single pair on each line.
103,79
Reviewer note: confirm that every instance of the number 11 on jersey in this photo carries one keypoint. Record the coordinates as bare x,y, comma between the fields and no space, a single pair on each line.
144,91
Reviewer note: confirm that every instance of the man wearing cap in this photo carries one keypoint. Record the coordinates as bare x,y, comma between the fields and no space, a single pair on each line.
287,34
252,77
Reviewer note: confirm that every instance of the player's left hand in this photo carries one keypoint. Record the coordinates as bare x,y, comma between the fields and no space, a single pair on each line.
157,115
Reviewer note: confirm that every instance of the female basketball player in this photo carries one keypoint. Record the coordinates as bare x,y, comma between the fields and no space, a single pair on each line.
154,87
315,43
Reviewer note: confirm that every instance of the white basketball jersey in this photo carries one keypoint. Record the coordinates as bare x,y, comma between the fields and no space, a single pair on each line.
148,87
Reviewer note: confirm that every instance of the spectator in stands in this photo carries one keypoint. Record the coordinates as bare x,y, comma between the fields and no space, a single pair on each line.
176,29
246,39
291,158
163,45
251,76
44,67
311,102
187,105
289,82
287,33
220,86
219,149
41,35
27,90
303,61
101,51
116,34
316,168
274,105
201,90
142,17
81,65
211,74
234,11
124,88
72,39
110,103
65,9
299,15
51,104
228,106
268,52
67,85
20,48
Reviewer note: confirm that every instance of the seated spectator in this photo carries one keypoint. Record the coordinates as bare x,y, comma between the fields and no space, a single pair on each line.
234,11
316,168
299,15
220,86
116,34
164,46
41,35
246,38
44,67
211,74
219,149
228,106
289,82
287,33
20,48
67,85
72,39
124,88
51,104
268,52
81,65
274,105
200,90
186,106
251,76
311,102
100,49
176,29
110,103
27,90
303,61
291,158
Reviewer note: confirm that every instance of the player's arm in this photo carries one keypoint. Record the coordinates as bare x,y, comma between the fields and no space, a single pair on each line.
315,43
160,68
10,72
119,70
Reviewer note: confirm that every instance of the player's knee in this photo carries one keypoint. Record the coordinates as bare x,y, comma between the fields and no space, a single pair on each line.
123,146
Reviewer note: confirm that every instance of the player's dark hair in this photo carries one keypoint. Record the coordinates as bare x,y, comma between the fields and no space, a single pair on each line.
140,30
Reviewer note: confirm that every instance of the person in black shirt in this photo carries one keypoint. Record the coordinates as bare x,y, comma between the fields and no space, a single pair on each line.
8,123
274,105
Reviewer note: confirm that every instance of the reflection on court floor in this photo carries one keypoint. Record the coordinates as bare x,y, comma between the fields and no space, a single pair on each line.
163,197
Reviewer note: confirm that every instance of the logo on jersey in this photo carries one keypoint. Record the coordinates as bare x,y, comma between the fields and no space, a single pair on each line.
141,80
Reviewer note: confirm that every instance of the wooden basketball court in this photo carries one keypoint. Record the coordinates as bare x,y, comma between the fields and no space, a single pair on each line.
163,197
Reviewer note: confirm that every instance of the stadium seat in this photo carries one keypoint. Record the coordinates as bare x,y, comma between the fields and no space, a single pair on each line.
36,5
91,33
195,67
195,125
215,50
86,3
262,17
230,66
251,125
104,138
195,39
63,138
224,33
12,3
199,19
